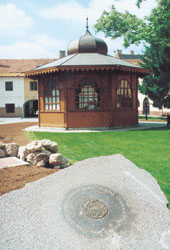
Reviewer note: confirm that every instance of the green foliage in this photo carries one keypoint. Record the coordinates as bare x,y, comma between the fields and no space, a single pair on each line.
139,3
157,84
148,149
115,24
154,32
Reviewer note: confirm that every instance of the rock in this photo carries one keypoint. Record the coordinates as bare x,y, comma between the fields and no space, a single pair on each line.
2,153
137,217
58,160
57,167
65,162
34,146
49,145
65,165
11,149
2,145
23,152
7,139
39,153
38,158
55,159
31,158
47,152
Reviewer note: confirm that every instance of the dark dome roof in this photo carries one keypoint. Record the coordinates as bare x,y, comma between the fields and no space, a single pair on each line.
87,44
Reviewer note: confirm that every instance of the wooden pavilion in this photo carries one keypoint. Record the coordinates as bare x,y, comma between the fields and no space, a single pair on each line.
88,88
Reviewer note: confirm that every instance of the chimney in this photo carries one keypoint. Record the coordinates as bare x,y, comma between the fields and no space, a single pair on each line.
132,52
62,53
118,53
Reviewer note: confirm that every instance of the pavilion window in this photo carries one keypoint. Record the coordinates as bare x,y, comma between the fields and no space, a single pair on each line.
124,95
51,96
87,96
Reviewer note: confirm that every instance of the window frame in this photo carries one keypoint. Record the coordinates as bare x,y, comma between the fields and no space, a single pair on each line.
33,86
124,97
87,96
8,108
9,87
51,102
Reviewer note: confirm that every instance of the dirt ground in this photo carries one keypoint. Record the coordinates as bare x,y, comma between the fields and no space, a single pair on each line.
17,177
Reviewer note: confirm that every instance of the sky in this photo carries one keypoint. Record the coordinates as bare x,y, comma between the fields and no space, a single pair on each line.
41,28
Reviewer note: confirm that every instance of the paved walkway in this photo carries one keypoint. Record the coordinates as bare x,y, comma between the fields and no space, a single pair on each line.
11,162
142,125
4,120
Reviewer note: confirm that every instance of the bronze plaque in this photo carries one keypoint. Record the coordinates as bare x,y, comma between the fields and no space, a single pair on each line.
95,209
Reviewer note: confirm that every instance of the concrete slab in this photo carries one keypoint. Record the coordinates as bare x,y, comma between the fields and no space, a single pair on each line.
141,126
9,120
100,203
9,162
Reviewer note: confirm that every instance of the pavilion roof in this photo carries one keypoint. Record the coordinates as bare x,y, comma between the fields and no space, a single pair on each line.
86,61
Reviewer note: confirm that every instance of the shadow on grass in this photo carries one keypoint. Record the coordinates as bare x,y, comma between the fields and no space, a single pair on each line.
154,129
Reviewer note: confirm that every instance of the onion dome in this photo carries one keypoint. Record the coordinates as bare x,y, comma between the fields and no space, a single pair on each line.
87,44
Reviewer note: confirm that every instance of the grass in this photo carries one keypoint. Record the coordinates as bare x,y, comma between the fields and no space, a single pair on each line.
148,149
153,118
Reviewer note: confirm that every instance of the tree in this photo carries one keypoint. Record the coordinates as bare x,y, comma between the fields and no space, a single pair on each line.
139,3
154,32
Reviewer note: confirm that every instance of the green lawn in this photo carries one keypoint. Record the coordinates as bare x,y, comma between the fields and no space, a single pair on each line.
148,149
153,118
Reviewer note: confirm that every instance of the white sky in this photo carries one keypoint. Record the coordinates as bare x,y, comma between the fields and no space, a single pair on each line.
40,28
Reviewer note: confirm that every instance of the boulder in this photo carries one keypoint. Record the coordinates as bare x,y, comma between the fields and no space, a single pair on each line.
65,162
55,159
2,145
11,149
100,203
2,153
38,158
49,145
58,161
34,146
23,152
47,152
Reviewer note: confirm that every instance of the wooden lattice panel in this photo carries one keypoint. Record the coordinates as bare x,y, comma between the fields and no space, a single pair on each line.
124,118
52,119
88,119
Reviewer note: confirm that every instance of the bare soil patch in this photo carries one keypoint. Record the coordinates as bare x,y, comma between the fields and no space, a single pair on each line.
14,132
17,177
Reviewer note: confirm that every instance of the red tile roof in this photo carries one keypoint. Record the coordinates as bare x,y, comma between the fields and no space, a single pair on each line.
133,61
131,58
21,65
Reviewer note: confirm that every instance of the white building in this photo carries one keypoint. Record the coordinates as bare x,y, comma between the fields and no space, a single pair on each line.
18,94
11,95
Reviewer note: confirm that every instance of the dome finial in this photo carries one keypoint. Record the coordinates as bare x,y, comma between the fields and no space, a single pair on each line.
87,44
87,25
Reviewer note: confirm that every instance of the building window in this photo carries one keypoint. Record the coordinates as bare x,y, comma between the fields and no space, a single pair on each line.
124,95
87,96
10,108
33,85
51,96
9,86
